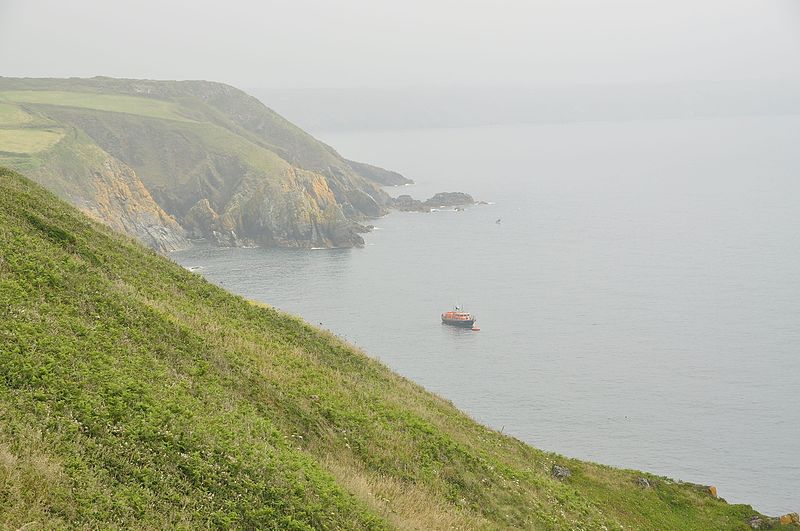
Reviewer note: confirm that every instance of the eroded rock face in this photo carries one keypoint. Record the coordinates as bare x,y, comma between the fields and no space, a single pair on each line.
300,212
121,201
201,219
115,196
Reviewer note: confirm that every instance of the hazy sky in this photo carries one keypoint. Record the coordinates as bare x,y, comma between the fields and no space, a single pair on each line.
372,43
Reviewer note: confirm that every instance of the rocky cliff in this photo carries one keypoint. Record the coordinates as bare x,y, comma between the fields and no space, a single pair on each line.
165,161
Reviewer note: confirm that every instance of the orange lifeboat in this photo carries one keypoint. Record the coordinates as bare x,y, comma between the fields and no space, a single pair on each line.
458,317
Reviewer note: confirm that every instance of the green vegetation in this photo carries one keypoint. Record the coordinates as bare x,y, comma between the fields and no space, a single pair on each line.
102,102
12,115
28,140
21,133
136,394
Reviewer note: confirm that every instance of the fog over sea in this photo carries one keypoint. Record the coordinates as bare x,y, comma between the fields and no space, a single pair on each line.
639,298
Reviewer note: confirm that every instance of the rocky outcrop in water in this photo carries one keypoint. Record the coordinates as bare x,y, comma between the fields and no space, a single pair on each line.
450,199
406,203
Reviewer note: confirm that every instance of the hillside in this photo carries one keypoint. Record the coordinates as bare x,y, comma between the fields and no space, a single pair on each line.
135,393
165,161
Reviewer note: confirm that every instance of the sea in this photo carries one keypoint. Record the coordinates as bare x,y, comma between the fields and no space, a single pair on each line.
636,284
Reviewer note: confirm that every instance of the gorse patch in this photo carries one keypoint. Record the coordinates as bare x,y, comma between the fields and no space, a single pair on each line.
133,393
53,233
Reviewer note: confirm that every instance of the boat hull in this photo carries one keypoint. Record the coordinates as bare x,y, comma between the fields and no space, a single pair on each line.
463,323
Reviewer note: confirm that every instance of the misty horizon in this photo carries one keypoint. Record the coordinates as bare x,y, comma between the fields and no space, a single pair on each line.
358,44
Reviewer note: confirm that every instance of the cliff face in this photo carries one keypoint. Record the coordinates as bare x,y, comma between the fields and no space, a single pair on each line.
165,160
300,212
121,201
108,190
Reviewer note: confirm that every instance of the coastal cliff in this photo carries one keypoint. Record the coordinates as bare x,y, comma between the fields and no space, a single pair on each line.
166,161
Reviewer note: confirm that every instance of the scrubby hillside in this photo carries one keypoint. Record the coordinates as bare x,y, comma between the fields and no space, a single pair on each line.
168,160
135,394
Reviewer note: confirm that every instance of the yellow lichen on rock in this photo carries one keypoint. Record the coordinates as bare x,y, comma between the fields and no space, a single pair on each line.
121,201
790,518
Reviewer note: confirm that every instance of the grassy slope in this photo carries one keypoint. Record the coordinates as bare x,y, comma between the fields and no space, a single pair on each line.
134,392
214,102
117,113
189,101
169,153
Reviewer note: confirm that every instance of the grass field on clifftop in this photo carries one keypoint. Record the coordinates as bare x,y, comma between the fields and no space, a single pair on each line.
102,102
136,394
22,133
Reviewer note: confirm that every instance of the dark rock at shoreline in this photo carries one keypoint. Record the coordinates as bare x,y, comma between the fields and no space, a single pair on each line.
363,229
406,203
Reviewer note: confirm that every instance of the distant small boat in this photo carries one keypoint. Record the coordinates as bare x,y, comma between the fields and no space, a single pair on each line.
457,317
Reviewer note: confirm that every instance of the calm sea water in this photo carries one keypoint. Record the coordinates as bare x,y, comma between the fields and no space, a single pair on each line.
639,299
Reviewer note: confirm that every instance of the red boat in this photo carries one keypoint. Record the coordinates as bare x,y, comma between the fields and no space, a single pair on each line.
458,318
